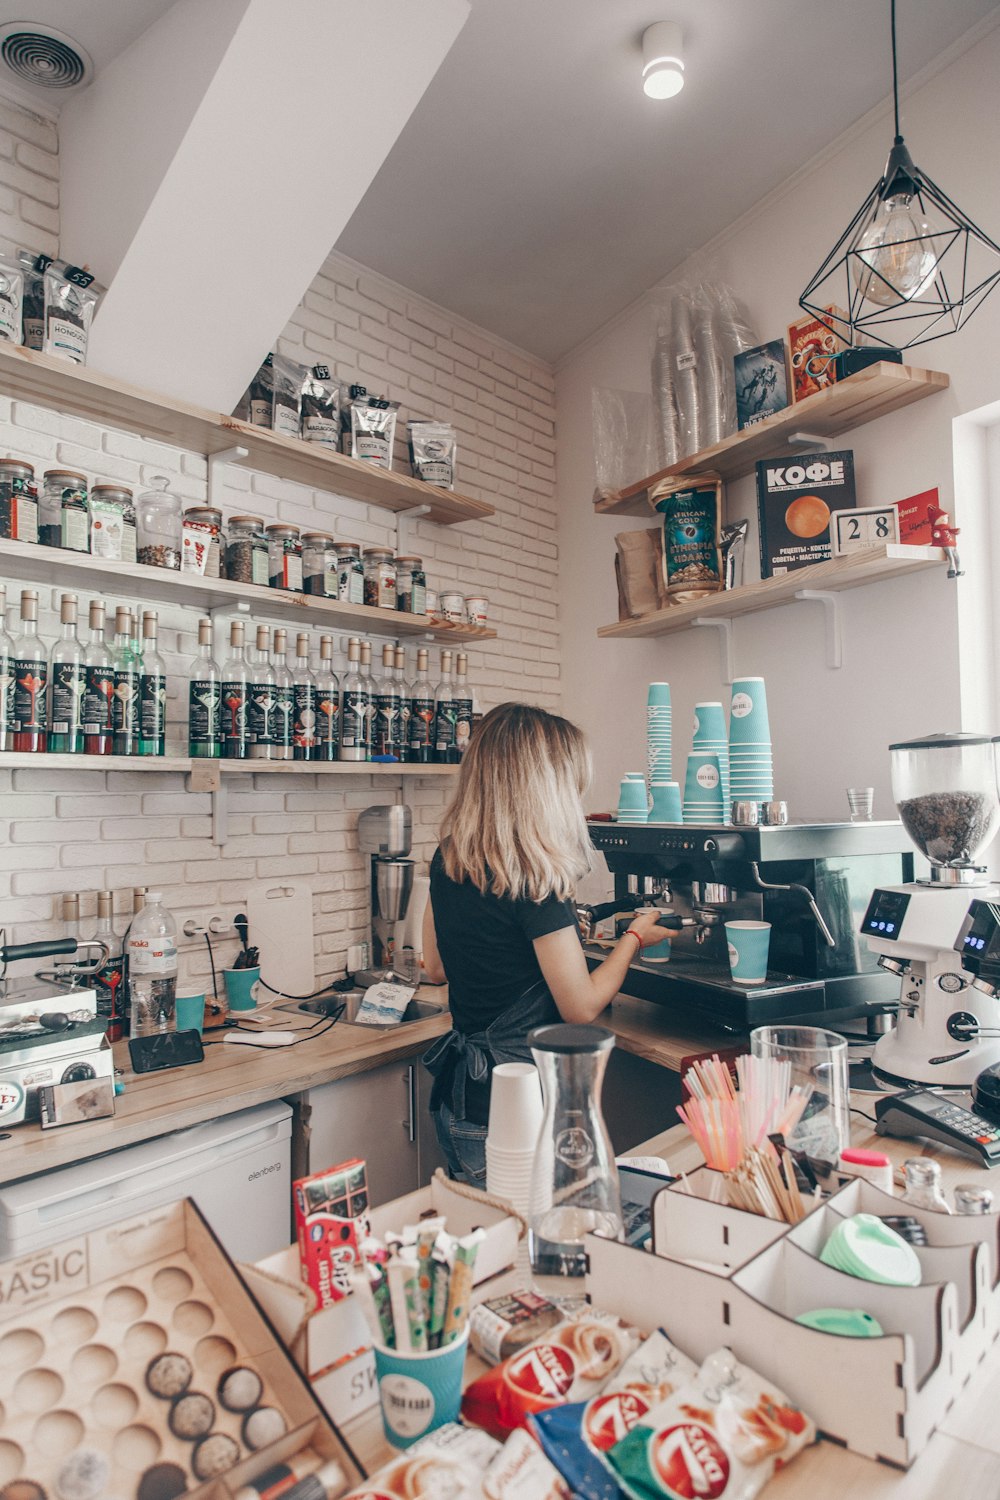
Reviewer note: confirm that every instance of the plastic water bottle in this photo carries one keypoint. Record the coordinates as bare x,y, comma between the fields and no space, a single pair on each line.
152,965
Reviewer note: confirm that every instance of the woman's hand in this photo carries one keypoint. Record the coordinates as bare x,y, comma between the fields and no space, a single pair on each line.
645,926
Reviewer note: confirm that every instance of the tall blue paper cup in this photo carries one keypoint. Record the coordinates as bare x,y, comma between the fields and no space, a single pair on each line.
240,991
748,944
666,806
190,1012
748,719
709,723
419,1392
658,695
703,783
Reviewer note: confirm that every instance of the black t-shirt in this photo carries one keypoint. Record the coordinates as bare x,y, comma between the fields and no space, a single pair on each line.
485,942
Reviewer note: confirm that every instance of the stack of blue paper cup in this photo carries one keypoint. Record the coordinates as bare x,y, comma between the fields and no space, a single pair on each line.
751,762
633,800
703,789
659,731
710,739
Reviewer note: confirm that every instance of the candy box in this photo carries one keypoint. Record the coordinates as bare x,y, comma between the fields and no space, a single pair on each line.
330,1223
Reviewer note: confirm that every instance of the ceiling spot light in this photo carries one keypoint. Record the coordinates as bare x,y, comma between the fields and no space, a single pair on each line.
662,63
910,266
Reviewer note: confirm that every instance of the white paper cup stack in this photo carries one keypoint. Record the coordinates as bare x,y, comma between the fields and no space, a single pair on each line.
512,1134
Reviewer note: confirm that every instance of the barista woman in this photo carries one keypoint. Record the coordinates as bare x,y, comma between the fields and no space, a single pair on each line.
500,925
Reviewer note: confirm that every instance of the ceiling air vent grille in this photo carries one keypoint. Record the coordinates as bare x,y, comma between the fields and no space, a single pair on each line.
44,58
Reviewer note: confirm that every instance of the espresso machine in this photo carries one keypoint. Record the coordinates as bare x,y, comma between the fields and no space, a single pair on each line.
811,881
948,1026
386,835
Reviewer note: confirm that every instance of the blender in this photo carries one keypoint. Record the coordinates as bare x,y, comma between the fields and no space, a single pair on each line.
947,1030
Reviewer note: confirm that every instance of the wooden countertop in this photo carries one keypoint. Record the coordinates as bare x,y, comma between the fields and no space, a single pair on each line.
233,1078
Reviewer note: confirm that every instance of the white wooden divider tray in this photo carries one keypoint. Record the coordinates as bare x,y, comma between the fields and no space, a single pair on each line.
720,1276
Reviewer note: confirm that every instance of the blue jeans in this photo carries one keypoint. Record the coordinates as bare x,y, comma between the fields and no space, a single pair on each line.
464,1147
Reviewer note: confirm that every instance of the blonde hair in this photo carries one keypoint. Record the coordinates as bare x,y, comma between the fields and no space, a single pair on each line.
516,824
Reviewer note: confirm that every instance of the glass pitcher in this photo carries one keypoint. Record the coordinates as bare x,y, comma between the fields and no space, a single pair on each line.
574,1181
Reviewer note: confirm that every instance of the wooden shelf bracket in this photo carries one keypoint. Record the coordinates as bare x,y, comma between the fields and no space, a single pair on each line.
726,654
216,463
833,621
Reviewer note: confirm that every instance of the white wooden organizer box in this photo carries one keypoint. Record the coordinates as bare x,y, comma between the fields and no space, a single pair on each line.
720,1276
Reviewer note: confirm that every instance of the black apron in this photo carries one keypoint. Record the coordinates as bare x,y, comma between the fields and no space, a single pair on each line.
458,1058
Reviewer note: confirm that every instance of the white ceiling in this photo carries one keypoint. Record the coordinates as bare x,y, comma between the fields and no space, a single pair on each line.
537,191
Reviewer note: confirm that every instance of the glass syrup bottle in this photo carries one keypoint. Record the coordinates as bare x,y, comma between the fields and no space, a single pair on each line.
421,749
99,694
262,704
31,677
303,702
463,706
6,676
404,704
353,706
284,703
110,977
385,737
328,708
204,699
445,750
152,691
128,682
371,694
235,690
68,676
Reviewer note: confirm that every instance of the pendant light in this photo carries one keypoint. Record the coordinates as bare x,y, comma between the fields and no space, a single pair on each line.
910,266
662,60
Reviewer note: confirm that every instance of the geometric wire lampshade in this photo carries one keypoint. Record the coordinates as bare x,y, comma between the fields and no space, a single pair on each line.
910,266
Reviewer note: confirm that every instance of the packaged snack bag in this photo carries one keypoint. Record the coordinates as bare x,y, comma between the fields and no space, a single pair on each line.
521,1471
571,1362
721,1437
574,1436
446,1465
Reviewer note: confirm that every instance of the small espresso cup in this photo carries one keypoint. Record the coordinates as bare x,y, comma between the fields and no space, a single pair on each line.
749,943
190,1012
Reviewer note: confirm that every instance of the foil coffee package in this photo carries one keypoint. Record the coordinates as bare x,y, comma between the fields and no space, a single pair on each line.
11,297
33,298
692,536
71,296
433,450
321,407
286,406
373,429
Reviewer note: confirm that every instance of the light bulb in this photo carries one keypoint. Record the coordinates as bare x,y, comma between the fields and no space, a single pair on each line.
894,260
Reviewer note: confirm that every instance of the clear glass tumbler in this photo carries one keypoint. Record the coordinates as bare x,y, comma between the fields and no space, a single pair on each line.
818,1060
574,1182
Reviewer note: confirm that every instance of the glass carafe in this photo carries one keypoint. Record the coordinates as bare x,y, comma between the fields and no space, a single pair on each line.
574,1182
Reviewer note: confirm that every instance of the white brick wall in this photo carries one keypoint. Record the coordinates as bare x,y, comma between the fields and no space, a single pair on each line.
81,830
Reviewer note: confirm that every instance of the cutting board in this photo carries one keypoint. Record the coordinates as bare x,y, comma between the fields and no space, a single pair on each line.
280,915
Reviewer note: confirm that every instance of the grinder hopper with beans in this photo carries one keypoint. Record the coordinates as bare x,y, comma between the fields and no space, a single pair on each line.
948,1024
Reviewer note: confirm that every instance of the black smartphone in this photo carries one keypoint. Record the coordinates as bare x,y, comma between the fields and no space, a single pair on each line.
165,1049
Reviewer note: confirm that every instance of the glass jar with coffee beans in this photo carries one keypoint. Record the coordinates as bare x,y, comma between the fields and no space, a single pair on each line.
411,585
284,557
380,578
319,564
63,516
246,550
158,520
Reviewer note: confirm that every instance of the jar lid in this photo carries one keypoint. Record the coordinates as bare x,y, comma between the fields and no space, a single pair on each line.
561,1037
281,528
16,463
65,474
111,489
414,562
379,552
311,538
354,548
204,513
257,521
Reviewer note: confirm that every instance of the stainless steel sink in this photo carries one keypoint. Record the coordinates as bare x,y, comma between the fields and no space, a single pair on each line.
328,1005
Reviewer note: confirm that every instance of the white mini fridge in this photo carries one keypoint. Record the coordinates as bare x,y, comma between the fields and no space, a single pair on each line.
236,1168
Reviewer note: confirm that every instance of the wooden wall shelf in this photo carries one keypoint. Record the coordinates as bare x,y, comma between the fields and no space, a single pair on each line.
33,563
82,392
861,398
839,573
206,775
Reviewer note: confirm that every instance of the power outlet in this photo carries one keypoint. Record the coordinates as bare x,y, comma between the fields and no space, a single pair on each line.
215,923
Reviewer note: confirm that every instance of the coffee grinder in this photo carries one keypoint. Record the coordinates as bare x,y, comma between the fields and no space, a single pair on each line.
385,834
948,1029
